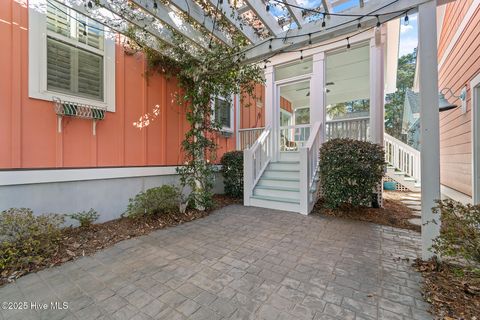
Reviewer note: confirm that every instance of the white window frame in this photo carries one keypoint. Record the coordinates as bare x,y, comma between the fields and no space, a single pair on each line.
37,62
224,128
475,92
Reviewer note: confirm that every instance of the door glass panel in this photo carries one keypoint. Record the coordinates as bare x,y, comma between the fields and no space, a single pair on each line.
294,115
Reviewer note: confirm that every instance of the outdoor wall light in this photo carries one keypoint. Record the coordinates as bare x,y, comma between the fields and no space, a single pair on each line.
444,105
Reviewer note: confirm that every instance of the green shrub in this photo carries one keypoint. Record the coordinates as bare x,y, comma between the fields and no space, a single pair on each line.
86,218
460,231
27,239
232,171
159,200
350,170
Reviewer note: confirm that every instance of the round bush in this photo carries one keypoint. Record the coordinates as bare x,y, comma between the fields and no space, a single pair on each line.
232,171
159,200
350,170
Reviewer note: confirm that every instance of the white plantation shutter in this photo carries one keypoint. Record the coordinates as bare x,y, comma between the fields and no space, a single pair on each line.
90,74
222,112
59,66
75,56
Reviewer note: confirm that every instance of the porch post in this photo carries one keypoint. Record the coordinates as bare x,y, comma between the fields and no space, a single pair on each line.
270,114
377,85
429,122
317,95
237,121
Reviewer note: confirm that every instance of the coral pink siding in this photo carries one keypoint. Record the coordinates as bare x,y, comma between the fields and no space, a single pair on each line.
253,112
28,129
460,67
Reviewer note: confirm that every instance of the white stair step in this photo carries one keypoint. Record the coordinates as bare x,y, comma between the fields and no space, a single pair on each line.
281,174
410,179
277,199
399,173
285,182
281,192
289,156
284,165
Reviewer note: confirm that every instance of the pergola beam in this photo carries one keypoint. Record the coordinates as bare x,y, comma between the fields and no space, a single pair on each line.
258,7
327,6
171,18
234,18
336,27
194,11
361,3
111,17
295,13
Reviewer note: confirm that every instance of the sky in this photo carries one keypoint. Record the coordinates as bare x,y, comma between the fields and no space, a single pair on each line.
408,35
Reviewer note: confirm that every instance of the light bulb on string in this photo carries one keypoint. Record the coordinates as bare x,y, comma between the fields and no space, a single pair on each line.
324,23
301,54
309,38
378,22
267,7
270,44
90,4
348,43
406,22
359,25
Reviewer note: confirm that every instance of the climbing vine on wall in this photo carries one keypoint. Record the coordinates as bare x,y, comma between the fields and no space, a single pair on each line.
217,72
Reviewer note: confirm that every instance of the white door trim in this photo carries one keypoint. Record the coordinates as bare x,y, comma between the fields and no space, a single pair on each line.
475,91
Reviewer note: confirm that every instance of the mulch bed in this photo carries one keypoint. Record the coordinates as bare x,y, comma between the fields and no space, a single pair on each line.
78,242
453,291
394,213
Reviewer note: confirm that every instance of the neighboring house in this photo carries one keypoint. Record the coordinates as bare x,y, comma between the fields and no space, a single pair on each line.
411,118
459,69
67,164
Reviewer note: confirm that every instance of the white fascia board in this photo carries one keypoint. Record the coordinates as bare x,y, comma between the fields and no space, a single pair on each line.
336,27
295,13
171,18
234,18
194,11
267,19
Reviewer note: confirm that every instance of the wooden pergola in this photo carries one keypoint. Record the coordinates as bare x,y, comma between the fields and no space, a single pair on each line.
274,27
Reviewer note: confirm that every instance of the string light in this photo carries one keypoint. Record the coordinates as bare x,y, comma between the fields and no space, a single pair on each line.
265,64
267,7
155,5
270,44
309,38
301,54
359,25
84,28
324,23
406,19
348,43
90,4
220,1
378,22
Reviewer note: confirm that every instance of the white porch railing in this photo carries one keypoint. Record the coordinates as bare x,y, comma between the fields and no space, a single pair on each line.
309,165
255,161
294,137
355,128
248,136
402,156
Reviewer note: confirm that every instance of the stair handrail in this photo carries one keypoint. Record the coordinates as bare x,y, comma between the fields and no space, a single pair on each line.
309,165
255,161
402,157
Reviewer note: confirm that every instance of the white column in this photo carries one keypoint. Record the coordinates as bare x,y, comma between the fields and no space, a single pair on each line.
271,116
429,122
377,85
237,120
317,93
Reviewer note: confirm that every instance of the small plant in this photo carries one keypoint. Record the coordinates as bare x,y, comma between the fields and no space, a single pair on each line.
86,218
159,200
350,170
27,239
232,171
459,236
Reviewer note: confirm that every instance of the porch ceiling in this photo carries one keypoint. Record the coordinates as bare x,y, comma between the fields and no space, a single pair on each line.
285,26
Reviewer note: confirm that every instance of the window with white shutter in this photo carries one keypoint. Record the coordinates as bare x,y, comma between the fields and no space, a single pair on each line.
223,113
71,56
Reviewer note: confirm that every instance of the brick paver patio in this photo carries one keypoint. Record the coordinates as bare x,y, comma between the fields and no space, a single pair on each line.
238,263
